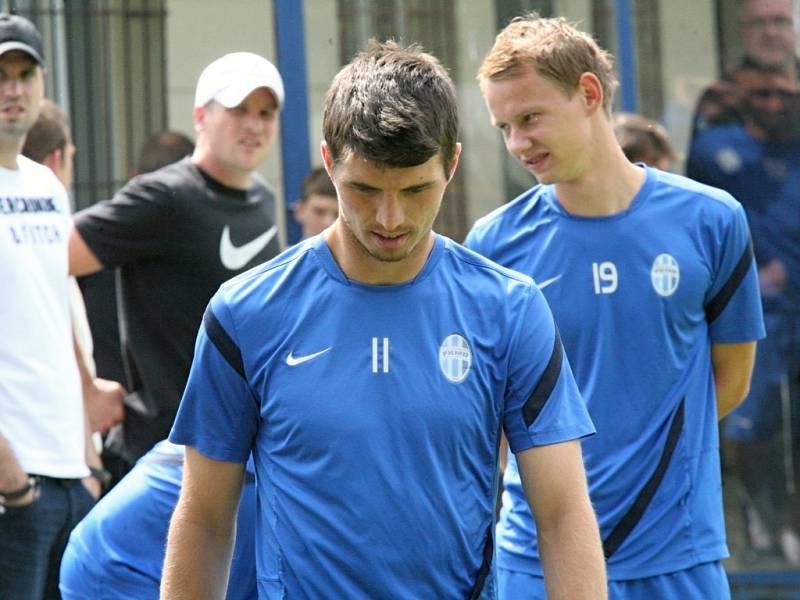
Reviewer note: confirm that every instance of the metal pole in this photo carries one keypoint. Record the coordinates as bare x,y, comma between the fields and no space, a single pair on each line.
291,50
788,441
626,56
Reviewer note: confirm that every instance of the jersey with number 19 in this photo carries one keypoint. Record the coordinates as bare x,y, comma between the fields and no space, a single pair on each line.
639,298
374,414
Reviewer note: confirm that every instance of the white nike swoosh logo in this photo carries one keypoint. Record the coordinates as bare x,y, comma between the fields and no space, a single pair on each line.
547,282
293,361
234,257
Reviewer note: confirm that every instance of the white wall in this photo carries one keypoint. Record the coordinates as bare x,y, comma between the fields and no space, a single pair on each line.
688,51
576,11
322,59
483,148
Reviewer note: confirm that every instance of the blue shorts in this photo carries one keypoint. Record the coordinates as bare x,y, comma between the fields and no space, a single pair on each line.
758,418
702,582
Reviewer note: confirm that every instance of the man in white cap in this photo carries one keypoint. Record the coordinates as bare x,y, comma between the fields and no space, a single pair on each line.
177,233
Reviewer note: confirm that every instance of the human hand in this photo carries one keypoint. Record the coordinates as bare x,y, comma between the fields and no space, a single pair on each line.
104,404
772,278
93,486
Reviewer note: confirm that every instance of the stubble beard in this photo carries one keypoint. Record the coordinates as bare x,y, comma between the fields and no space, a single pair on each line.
14,130
365,250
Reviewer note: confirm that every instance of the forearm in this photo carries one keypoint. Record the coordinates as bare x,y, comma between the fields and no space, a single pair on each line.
569,540
83,368
733,366
82,261
202,530
92,457
102,399
198,559
12,475
90,452
728,398
572,556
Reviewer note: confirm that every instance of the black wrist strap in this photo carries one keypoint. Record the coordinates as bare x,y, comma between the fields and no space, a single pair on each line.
19,493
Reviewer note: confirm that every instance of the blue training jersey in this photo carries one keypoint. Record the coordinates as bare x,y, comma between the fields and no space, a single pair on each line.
763,175
117,550
374,415
639,298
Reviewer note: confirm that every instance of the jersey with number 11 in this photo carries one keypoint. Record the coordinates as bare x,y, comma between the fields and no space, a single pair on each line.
375,415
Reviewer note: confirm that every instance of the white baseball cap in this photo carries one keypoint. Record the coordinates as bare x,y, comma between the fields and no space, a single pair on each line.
229,80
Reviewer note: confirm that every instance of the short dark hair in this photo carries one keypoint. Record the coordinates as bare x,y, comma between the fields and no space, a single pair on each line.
49,133
318,182
162,149
642,139
392,106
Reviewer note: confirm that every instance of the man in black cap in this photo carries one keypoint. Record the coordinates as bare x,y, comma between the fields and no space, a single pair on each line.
44,446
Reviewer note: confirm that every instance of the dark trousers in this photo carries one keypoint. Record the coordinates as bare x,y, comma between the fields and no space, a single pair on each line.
33,538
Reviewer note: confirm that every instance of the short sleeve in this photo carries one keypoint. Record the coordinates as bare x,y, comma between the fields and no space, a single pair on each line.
474,240
543,404
733,302
218,414
134,225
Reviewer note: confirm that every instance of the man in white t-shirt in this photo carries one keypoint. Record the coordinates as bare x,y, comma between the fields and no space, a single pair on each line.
49,142
43,442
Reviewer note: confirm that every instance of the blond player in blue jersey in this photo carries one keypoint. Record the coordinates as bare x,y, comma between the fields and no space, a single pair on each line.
653,286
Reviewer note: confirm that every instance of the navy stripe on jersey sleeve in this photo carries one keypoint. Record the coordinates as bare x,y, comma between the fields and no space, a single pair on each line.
720,301
223,342
535,403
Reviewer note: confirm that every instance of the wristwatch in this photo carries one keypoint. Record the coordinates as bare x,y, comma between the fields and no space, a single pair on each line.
103,476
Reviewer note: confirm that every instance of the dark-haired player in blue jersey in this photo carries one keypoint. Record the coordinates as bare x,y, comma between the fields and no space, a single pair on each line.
371,369
651,280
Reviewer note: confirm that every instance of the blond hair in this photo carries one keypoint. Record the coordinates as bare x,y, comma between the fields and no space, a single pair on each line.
555,49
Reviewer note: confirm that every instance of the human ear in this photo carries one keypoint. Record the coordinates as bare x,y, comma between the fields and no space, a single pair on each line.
591,91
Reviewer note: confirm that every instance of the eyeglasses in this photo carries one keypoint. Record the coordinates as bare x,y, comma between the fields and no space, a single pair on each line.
766,93
761,23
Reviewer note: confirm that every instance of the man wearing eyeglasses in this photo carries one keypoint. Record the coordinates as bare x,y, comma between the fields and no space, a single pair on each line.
758,160
767,31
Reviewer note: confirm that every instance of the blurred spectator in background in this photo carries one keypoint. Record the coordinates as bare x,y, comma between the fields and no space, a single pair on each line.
117,551
319,206
161,149
644,140
757,159
179,232
99,289
767,32
751,158
781,248
49,142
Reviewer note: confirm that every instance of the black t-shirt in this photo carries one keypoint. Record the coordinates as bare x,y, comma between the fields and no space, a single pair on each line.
100,297
176,234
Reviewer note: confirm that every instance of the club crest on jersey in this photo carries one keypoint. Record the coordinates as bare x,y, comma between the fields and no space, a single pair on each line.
455,358
665,275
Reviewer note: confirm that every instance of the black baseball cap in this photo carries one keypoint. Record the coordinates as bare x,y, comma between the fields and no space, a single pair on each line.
18,33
